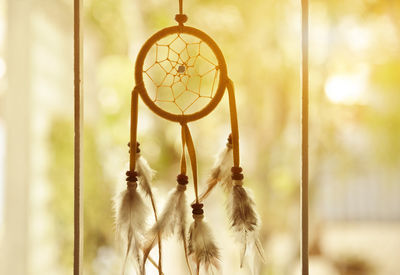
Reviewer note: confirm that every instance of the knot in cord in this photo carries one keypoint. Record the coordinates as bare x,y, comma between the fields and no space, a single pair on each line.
131,185
198,217
181,187
237,183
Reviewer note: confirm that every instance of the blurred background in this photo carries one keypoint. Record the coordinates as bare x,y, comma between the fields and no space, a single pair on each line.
354,131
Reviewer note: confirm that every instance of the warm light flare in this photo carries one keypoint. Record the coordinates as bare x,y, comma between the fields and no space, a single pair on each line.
345,89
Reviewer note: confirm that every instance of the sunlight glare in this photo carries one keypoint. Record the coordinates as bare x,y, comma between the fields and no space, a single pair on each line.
345,89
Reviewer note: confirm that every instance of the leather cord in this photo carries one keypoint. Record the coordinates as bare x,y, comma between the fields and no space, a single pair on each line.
183,158
234,123
78,133
133,130
192,155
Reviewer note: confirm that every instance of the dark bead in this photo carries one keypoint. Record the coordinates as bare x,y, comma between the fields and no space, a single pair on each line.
131,185
235,169
182,179
131,173
131,178
237,173
237,176
197,208
137,147
198,211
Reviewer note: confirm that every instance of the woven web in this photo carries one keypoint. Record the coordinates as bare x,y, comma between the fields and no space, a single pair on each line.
181,74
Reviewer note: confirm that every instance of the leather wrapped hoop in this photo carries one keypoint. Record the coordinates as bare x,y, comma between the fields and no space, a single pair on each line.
223,78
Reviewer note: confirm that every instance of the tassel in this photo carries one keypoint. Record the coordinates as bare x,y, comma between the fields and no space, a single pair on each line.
202,246
130,215
244,219
221,171
172,220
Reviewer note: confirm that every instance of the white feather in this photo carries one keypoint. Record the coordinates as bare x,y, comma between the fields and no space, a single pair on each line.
202,247
145,174
172,220
221,172
130,215
244,219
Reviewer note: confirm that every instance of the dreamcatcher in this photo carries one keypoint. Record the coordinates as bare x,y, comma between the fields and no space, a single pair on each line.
181,75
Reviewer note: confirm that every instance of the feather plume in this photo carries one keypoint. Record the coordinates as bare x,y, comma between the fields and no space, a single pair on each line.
202,247
221,172
172,220
130,215
145,174
244,220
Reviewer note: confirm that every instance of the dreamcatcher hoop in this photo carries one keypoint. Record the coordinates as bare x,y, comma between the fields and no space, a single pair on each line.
222,83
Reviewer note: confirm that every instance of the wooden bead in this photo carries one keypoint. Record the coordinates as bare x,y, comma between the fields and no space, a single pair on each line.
131,176
137,147
237,173
182,179
235,169
197,209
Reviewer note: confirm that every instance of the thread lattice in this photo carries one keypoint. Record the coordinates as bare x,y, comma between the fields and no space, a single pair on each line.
181,73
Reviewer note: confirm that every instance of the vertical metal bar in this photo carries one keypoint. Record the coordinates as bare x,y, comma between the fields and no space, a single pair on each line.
304,138
78,118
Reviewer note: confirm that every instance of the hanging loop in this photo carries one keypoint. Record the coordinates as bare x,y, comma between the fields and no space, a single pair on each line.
181,18
181,6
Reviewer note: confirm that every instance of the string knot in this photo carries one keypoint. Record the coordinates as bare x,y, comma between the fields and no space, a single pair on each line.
131,185
198,217
237,182
181,187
